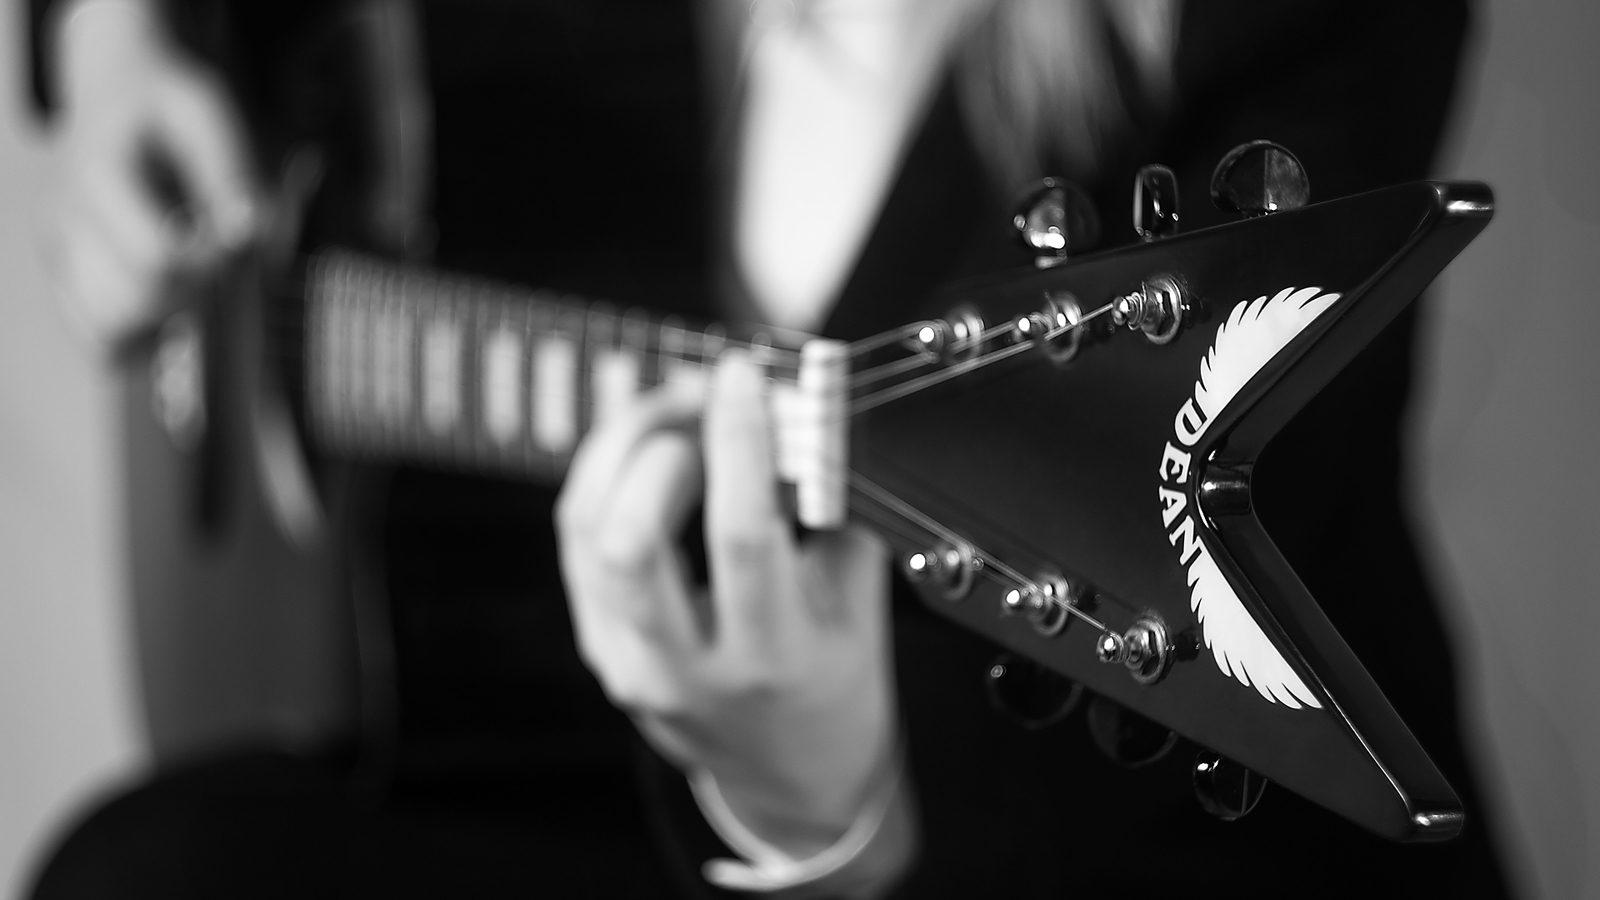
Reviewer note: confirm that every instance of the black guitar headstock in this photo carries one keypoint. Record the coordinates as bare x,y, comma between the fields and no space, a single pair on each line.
1078,486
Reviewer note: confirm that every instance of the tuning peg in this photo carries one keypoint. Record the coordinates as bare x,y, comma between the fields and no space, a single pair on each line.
1155,203
1029,694
1226,789
1125,736
948,568
1056,220
1259,178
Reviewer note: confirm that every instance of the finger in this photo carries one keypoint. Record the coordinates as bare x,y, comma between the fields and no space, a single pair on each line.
847,579
626,580
198,128
638,542
601,456
649,501
747,539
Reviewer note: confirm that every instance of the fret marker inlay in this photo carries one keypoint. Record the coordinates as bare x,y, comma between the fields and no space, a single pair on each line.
392,366
441,375
502,385
555,394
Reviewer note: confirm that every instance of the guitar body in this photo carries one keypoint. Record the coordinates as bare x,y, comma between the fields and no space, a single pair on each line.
1127,470
251,559
241,560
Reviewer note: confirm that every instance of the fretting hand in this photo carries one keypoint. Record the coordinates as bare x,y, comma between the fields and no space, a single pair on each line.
777,679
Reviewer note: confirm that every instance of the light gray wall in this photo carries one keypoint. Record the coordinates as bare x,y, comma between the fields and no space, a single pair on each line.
1505,437
67,713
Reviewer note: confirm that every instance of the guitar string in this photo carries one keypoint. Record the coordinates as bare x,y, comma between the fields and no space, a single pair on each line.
870,401
873,400
367,282
986,562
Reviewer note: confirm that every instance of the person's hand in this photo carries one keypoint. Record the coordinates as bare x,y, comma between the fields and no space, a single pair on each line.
153,170
776,679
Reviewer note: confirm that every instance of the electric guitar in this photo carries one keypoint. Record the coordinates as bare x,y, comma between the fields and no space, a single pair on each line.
1062,457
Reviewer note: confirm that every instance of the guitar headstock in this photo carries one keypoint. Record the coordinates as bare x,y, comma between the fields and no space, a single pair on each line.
1068,470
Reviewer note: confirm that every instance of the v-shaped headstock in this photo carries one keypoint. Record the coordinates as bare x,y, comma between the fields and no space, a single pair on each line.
1117,481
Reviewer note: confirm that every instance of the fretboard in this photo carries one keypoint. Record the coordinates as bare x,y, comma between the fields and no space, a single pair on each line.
408,364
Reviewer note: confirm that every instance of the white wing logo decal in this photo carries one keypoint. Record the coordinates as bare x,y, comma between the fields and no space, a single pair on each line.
1250,337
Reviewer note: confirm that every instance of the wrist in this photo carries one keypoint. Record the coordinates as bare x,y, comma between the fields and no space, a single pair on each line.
805,814
863,862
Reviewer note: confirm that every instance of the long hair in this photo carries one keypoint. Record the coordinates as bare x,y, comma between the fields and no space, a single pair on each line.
1056,83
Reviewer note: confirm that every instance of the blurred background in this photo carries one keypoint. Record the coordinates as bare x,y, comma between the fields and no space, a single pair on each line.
1503,435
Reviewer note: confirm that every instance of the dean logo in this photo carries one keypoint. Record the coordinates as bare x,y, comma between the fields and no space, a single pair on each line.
1252,334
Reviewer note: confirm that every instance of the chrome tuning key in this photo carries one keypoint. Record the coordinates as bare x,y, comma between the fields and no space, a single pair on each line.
1259,178
1146,649
1031,695
1224,788
1125,737
963,337
1063,314
949,568
1157,309
1155,203
1044,601
1055,221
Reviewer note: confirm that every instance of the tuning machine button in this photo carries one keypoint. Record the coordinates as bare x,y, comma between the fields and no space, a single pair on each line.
1155,203
1056,220
1031,695
948,568
1157,309
1146,648
1124,736
1224,788
1258,178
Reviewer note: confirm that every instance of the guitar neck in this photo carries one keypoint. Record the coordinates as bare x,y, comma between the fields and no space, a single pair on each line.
410,365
